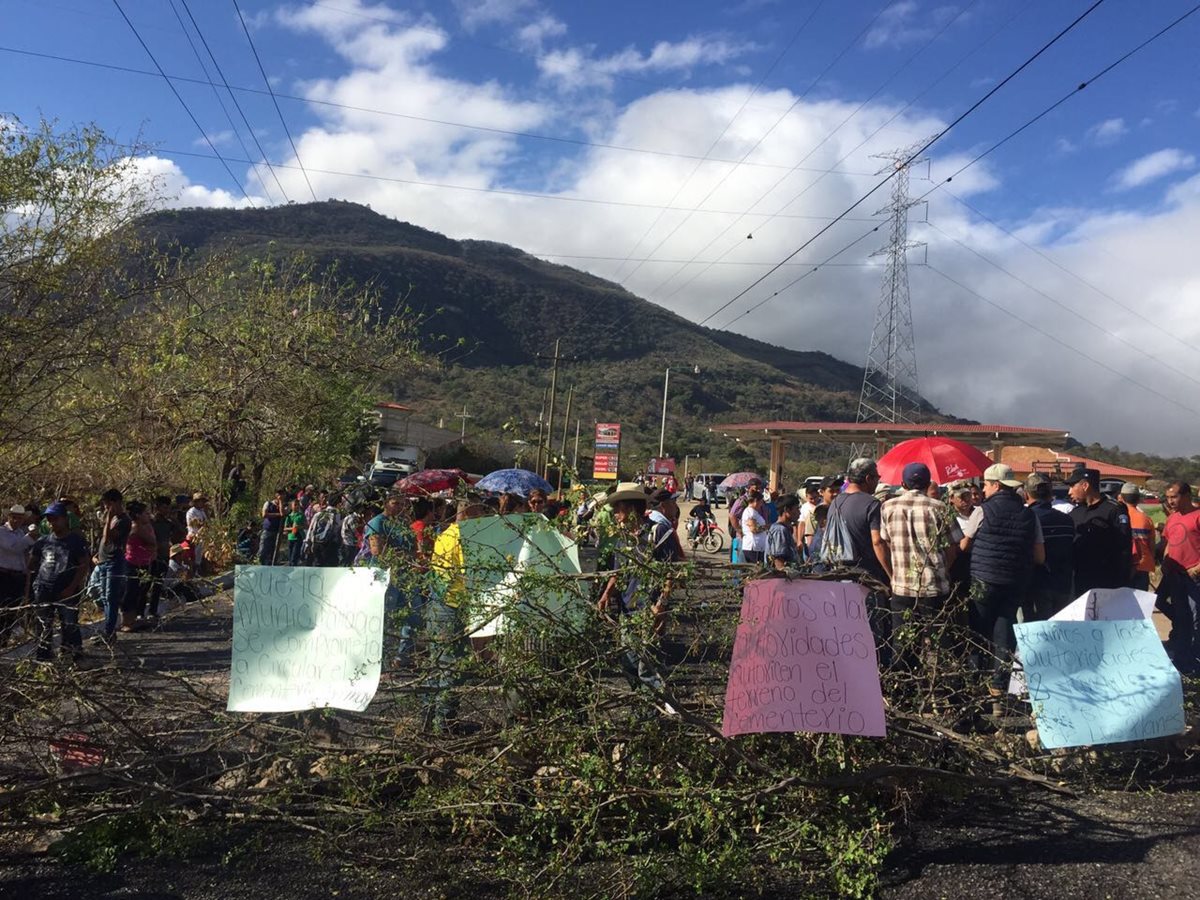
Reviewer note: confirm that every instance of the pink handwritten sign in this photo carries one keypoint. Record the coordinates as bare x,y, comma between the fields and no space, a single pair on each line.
804,660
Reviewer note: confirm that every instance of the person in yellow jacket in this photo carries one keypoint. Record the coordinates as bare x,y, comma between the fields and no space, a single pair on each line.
444,623
1144,537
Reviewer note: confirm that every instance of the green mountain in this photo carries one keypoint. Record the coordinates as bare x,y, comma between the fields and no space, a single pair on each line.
493,313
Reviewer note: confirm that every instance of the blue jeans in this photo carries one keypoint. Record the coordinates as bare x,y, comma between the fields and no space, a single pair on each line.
1183,645
113,585
447,646
412,609
267,543
294,548
46,607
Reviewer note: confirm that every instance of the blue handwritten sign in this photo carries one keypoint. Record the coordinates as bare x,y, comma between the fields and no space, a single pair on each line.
1099,682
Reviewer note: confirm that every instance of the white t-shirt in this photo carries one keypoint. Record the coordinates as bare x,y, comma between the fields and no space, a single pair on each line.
755,542
13,546
806,512
196,517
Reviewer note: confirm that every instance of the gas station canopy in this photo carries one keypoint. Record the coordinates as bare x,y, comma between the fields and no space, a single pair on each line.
884,435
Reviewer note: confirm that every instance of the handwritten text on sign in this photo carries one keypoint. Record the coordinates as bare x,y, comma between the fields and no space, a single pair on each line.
803,660
305,638
1099,682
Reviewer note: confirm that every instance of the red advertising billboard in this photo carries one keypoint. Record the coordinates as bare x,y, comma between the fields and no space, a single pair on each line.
664,466
608,451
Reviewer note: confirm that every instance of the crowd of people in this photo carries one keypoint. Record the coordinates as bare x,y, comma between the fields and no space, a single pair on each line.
127,557
1002,548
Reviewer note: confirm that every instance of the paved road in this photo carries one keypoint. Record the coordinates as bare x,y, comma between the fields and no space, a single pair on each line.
1110,844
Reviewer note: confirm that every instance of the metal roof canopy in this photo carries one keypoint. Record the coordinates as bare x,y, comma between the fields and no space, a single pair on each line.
884,434
985,436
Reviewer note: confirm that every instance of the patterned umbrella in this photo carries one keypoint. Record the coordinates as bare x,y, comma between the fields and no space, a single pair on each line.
738,480
430,481
513,481
948,460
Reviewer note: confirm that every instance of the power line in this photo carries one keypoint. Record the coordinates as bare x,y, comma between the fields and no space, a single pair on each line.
183,102
851,152
274,100
216,93
659,259
821,265
921,150
1104,71
800,98
530,135
713,146
1058,265
1017,278
511,192
1046,334
241,112
941,185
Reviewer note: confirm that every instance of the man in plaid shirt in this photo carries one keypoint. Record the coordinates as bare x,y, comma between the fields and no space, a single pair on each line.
919,534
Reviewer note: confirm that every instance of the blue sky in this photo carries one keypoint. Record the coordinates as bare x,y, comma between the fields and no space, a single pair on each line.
1106,185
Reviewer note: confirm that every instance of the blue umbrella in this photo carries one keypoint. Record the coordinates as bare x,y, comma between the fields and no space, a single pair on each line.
513,481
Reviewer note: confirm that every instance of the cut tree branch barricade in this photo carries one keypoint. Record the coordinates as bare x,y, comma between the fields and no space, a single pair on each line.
560,769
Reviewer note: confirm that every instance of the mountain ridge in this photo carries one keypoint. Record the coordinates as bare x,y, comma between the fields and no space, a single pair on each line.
507,307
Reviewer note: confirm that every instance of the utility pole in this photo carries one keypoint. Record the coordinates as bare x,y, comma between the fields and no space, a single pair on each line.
562,449
553,392
464,415
540,424
575,458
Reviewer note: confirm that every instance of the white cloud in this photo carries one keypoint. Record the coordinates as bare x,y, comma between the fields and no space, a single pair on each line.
1151,167
166,180
533,36
476,13
1064,147
974,360
901,24
1107,132
577,67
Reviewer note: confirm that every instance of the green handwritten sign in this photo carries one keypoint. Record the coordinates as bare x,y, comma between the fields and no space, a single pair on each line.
514,566
305,638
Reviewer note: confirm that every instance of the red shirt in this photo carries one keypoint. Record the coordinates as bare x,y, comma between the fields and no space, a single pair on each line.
1183,538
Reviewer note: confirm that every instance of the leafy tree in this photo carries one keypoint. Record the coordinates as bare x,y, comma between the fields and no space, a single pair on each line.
263,363
66,197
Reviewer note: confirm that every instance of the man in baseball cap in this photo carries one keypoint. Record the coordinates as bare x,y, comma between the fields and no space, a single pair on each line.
1005,542
1050,589
1103,542
58,563
922,541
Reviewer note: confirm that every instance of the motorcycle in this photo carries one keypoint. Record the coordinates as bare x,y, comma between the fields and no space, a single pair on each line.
707,534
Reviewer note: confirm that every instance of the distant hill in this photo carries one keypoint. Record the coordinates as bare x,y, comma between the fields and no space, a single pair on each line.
507,307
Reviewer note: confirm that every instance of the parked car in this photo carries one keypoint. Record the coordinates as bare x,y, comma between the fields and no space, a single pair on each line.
711,480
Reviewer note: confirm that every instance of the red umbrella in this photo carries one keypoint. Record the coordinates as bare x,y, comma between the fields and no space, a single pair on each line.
948,460
431,481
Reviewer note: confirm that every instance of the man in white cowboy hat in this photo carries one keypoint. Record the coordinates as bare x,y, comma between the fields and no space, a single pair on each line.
1004,538
637,581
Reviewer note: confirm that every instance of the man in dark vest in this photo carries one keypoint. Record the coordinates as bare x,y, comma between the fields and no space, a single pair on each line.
1051,589
1004,539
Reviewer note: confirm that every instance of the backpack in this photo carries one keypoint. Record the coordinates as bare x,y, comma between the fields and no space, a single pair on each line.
837,544
324,528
